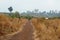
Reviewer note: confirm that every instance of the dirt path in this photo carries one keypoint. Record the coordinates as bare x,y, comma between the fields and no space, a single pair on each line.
25,34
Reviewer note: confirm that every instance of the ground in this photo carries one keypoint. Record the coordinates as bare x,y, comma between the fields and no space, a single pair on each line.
25,34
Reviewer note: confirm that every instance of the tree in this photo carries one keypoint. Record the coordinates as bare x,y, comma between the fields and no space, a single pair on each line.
10,9
15,15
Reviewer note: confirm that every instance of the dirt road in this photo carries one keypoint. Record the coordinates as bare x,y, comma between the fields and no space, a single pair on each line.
25,34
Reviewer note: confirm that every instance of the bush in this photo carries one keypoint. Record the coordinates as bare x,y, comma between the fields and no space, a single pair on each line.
15,15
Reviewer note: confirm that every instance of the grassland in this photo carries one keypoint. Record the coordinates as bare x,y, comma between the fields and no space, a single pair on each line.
46,29
10,25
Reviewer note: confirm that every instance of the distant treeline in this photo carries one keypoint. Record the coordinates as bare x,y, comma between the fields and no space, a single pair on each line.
36,14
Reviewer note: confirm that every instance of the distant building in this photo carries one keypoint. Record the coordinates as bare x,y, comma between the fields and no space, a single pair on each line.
46,18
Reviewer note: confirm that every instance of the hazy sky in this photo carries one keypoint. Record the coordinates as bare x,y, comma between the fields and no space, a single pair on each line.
24,5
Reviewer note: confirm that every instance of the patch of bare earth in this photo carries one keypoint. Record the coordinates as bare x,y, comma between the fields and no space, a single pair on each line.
25,34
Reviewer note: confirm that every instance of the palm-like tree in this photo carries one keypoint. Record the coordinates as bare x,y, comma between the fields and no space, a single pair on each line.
10,9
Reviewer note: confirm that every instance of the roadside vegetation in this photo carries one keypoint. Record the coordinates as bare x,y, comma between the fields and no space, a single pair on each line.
46,29
10,24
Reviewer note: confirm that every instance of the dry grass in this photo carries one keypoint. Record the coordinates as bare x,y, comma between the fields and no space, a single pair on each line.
46,29
9,25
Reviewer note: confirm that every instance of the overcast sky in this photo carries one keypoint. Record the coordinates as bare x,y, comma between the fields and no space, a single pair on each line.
24,5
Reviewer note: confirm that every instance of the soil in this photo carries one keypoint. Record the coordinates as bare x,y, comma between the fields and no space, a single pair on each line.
25,34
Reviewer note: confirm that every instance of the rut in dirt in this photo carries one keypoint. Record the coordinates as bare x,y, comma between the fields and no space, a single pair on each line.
25,34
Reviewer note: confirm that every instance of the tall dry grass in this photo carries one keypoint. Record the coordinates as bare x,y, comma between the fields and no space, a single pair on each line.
46,29
10,25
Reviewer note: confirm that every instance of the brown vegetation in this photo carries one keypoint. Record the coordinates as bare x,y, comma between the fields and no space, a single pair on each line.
9,25
46,29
